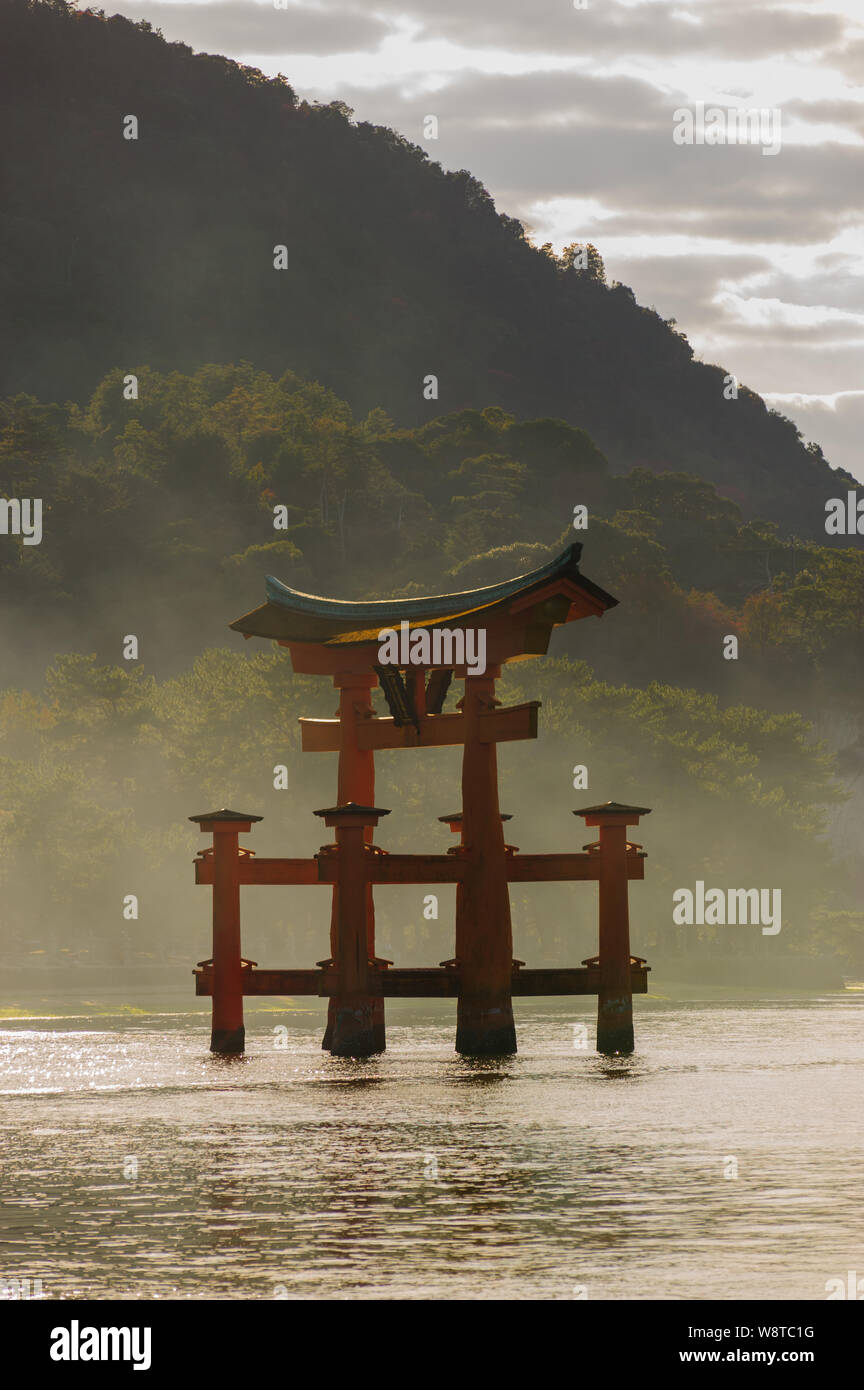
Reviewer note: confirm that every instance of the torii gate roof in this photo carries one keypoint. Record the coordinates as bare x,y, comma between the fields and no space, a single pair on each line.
555,593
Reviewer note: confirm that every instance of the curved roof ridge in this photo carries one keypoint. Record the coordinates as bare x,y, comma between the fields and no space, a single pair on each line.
424,606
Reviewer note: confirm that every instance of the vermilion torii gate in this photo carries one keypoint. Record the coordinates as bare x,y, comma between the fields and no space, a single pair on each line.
341,639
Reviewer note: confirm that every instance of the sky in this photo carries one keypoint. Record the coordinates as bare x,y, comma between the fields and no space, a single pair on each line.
566,112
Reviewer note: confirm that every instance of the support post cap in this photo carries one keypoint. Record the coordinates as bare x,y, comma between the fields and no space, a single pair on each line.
457,817
351,814
224,817
612,813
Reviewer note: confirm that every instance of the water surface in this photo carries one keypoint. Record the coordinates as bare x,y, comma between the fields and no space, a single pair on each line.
135,1165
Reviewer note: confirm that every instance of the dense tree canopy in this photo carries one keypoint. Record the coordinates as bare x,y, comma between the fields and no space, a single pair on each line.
162,515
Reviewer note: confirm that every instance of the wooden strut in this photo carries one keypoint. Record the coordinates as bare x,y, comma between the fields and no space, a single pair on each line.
356,783
356,1015
484,935
227,1034
615,992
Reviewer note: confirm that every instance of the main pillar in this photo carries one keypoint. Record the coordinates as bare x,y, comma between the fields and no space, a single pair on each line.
356,783
484,935
615,996
227,1033
352,1027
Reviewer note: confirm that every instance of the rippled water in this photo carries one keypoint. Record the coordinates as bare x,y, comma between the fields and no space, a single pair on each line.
417,1174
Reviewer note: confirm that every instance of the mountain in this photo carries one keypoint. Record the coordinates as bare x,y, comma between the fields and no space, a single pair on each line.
160,250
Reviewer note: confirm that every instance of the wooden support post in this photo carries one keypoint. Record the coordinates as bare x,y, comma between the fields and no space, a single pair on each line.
352,1029
615,995
356,783
484,936
227,1033
615,999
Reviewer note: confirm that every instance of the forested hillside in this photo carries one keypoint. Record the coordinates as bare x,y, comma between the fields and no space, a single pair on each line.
162,515
160,250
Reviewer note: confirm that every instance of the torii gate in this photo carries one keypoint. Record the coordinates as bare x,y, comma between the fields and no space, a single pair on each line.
341,639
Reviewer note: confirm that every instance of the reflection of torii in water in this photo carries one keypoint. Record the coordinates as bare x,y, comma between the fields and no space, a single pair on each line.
340,639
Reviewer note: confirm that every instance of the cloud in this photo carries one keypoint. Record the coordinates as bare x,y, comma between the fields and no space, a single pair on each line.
804,318
542,136
848,115
684,287
835,421
733,31
658,29
239,27
848,58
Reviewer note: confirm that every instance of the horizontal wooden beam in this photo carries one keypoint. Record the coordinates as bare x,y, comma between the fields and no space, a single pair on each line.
577,980
435,730
508,638
419,983
263,871
563,868
417,868
320,735
402,868
267,982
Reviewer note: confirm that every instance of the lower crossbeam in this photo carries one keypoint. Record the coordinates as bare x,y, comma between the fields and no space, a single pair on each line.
420,983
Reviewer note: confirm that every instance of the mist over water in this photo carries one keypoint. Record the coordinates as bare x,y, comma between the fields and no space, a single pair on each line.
291,1174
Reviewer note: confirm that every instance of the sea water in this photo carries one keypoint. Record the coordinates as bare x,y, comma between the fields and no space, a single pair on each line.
721,1160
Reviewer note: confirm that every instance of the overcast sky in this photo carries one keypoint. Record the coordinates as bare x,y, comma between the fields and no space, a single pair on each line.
566,115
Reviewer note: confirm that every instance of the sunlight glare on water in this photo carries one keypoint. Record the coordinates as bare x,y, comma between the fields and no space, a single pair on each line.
136,1165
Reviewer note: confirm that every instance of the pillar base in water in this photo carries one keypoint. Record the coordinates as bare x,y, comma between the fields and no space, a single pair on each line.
328,1031
377,1028
615,1026
228,1041
354,1033
485,1029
